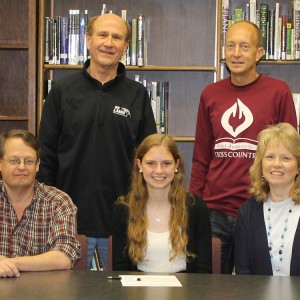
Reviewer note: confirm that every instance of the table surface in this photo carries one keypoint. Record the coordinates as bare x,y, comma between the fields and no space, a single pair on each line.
77,285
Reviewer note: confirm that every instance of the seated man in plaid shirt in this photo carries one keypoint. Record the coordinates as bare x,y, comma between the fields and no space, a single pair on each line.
37,222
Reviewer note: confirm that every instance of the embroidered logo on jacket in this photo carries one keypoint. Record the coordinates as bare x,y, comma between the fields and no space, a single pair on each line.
122,111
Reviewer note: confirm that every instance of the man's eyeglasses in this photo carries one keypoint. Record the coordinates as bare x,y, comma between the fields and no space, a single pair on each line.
17,161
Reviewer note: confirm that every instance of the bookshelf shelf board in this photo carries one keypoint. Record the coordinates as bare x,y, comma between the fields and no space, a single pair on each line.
13,118
280,62
13,46
275,62
172,68
135,68
184,138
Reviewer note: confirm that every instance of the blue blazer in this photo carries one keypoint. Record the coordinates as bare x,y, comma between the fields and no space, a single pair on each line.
251,242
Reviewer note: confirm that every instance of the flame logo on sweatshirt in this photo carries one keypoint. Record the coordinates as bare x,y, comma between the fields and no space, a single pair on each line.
237,118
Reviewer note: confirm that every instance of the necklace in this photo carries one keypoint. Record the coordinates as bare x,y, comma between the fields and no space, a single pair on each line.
278,247
159,213
159,216
157,219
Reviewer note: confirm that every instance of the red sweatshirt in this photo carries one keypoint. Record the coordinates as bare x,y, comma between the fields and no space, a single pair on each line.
229,120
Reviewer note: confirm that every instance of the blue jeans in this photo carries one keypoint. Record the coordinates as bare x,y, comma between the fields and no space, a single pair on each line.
102,247
223,226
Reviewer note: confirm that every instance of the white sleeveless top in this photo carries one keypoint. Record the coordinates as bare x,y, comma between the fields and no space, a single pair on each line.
158,254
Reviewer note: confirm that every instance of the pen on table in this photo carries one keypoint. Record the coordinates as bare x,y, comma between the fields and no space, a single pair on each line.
126,278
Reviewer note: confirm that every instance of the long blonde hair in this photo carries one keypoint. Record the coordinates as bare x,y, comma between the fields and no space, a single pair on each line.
137,199
285,134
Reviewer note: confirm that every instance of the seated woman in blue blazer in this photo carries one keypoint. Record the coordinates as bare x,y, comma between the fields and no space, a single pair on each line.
158,227
267,239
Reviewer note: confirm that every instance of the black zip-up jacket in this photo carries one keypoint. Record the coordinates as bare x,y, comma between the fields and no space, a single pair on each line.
88,135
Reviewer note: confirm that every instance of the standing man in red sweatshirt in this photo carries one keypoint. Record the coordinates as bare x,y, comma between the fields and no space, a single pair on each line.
231,114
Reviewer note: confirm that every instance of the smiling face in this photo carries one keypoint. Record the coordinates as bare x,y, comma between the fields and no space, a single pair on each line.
280,168
18,176
107,43
242,52
158,167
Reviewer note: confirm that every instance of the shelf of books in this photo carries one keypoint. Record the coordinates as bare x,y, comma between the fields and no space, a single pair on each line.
279,23
172,50
18,65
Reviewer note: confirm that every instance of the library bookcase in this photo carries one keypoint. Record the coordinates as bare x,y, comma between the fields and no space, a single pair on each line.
183,47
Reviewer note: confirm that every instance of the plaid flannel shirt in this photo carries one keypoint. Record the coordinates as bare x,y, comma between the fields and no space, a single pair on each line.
47,224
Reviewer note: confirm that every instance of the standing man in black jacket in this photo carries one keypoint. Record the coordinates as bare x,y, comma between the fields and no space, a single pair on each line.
91,124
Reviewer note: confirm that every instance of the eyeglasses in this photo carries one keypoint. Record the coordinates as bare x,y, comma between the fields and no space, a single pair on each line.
17,161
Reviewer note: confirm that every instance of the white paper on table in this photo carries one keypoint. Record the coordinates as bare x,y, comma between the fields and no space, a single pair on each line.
150,280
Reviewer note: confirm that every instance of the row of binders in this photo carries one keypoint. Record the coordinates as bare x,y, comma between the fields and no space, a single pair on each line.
279,24
65,39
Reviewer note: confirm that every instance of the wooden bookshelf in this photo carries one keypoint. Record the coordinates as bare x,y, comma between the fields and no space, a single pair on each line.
18,65
184,48
180,56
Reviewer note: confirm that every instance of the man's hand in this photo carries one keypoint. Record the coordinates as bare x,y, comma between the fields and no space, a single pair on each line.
8,268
